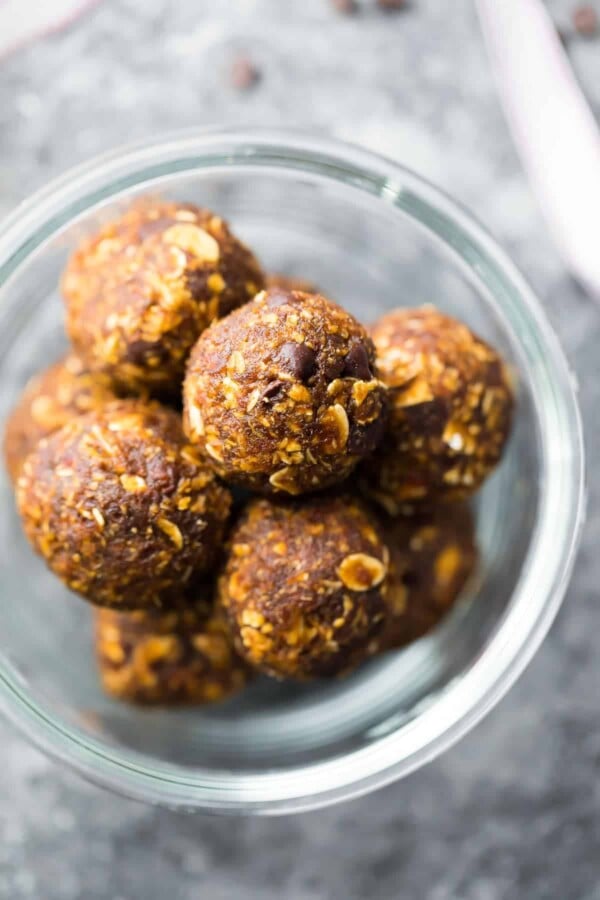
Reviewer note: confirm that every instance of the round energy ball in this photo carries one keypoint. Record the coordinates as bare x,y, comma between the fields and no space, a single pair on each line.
450,410
304,586
140,292
432,556
282,395
49,401
122,509
171,657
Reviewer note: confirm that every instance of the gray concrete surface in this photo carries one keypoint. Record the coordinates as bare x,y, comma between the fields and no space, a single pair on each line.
512,811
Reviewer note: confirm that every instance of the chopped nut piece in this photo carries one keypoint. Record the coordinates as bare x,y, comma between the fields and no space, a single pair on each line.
253,618
360,572
418,391
362,389
241,549
216,283
299,394
133,484
194,240
236,363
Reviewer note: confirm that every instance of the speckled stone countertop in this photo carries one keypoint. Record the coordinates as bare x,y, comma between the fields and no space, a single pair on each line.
513,811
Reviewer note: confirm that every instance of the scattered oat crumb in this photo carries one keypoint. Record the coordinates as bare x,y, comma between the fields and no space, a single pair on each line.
244,73
585,20
346,7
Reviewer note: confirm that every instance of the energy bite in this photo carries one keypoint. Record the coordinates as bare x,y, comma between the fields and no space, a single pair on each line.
171,657
450,410
140,292
432,556
48,402
304,586
122,509
282,396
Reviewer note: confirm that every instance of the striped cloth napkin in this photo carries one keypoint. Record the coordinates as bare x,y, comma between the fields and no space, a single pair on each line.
22,21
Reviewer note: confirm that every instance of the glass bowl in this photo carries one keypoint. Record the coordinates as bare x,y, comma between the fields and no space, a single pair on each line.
372,235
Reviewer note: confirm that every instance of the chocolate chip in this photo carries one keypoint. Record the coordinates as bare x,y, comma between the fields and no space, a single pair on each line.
333,368
356,364
272,390
410,579
299,360
585,20
365,438
278,297
196,283
138,352
428,418
244,73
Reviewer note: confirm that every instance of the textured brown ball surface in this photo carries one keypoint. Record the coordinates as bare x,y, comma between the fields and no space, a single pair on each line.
290,283
122,509
304,586
432,556
180,656
140,291
48,402
450,410
282,395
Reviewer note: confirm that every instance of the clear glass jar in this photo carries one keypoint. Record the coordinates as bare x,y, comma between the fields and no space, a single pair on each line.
373,235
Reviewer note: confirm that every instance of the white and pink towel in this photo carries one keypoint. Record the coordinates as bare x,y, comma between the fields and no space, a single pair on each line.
22,21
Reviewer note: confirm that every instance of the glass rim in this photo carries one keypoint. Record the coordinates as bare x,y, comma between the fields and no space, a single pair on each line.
545,573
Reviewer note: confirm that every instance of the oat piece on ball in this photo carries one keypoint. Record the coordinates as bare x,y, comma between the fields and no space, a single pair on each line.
49,400
172,657
304,586
282,396
140,292
432,556
450,410
121,507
